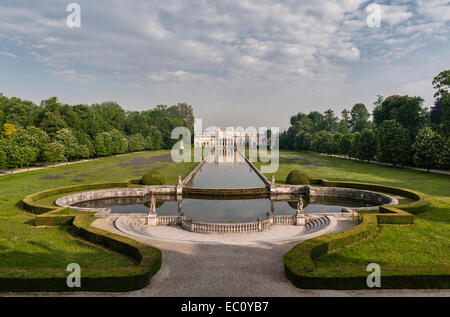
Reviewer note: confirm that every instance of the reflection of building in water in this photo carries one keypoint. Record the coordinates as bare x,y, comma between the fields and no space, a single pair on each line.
225,155
229,137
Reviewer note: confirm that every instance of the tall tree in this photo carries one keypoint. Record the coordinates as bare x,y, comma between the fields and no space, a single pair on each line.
427,149
359,118
68,140
442,83
393,143
406,110
331,121
54,152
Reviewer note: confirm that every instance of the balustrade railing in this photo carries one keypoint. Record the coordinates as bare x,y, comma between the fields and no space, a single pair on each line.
169,220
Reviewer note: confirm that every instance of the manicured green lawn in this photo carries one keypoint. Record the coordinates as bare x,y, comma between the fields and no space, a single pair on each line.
425,242
22,245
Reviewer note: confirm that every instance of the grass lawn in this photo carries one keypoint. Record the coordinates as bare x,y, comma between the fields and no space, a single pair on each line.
425,242
24,246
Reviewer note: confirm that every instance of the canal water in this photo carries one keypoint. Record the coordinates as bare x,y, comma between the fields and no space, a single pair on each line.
226,169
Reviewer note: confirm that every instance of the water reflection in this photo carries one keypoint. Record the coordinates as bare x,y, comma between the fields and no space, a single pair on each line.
226,168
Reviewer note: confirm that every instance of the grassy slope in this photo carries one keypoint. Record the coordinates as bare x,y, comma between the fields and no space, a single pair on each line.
23,245
426,242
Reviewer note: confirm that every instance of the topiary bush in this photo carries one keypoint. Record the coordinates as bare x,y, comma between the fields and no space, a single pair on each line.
153,178
297,177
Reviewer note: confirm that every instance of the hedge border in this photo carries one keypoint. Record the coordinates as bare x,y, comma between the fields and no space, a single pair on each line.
398,214
299,261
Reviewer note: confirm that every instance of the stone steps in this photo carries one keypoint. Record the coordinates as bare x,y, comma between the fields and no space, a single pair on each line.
317,224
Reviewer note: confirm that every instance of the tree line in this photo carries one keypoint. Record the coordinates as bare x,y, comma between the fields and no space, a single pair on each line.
56,132
400,131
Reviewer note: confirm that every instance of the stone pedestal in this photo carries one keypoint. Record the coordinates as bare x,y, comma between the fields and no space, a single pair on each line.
300,220
152,219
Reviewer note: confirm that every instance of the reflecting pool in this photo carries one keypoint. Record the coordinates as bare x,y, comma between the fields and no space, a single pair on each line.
216,210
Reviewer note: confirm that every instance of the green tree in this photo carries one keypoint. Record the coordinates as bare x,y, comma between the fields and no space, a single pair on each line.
359,118
442,83
185,112
427,149
393,143
406,110
331,121
136,142
103,144
119,142
322,142
445,117
445,157
345,144
69,141
54,152
366,145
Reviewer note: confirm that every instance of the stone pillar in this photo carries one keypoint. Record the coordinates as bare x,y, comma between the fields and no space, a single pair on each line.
259,225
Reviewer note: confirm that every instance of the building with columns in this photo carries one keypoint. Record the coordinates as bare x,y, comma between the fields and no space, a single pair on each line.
229,138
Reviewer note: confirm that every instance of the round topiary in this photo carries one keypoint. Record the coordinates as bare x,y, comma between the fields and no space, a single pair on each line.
153,178
297,177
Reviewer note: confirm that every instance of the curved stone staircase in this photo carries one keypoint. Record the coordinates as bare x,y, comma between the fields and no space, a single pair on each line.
317,224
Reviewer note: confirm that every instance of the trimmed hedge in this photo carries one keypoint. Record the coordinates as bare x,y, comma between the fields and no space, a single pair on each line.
302,272
297,177
153,178
122,279
399,214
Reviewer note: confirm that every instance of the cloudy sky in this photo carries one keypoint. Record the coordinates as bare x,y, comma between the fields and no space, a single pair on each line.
238,62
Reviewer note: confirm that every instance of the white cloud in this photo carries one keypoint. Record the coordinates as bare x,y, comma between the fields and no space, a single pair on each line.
8,54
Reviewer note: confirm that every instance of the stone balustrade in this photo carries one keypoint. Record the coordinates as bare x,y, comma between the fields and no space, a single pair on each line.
203,227
169,220
283,220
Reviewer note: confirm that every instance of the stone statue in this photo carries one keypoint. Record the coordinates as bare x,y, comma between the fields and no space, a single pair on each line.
300,205
153,204
152,217
179,179
273,179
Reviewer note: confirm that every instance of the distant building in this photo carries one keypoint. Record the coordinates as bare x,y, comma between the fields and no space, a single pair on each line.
229,138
